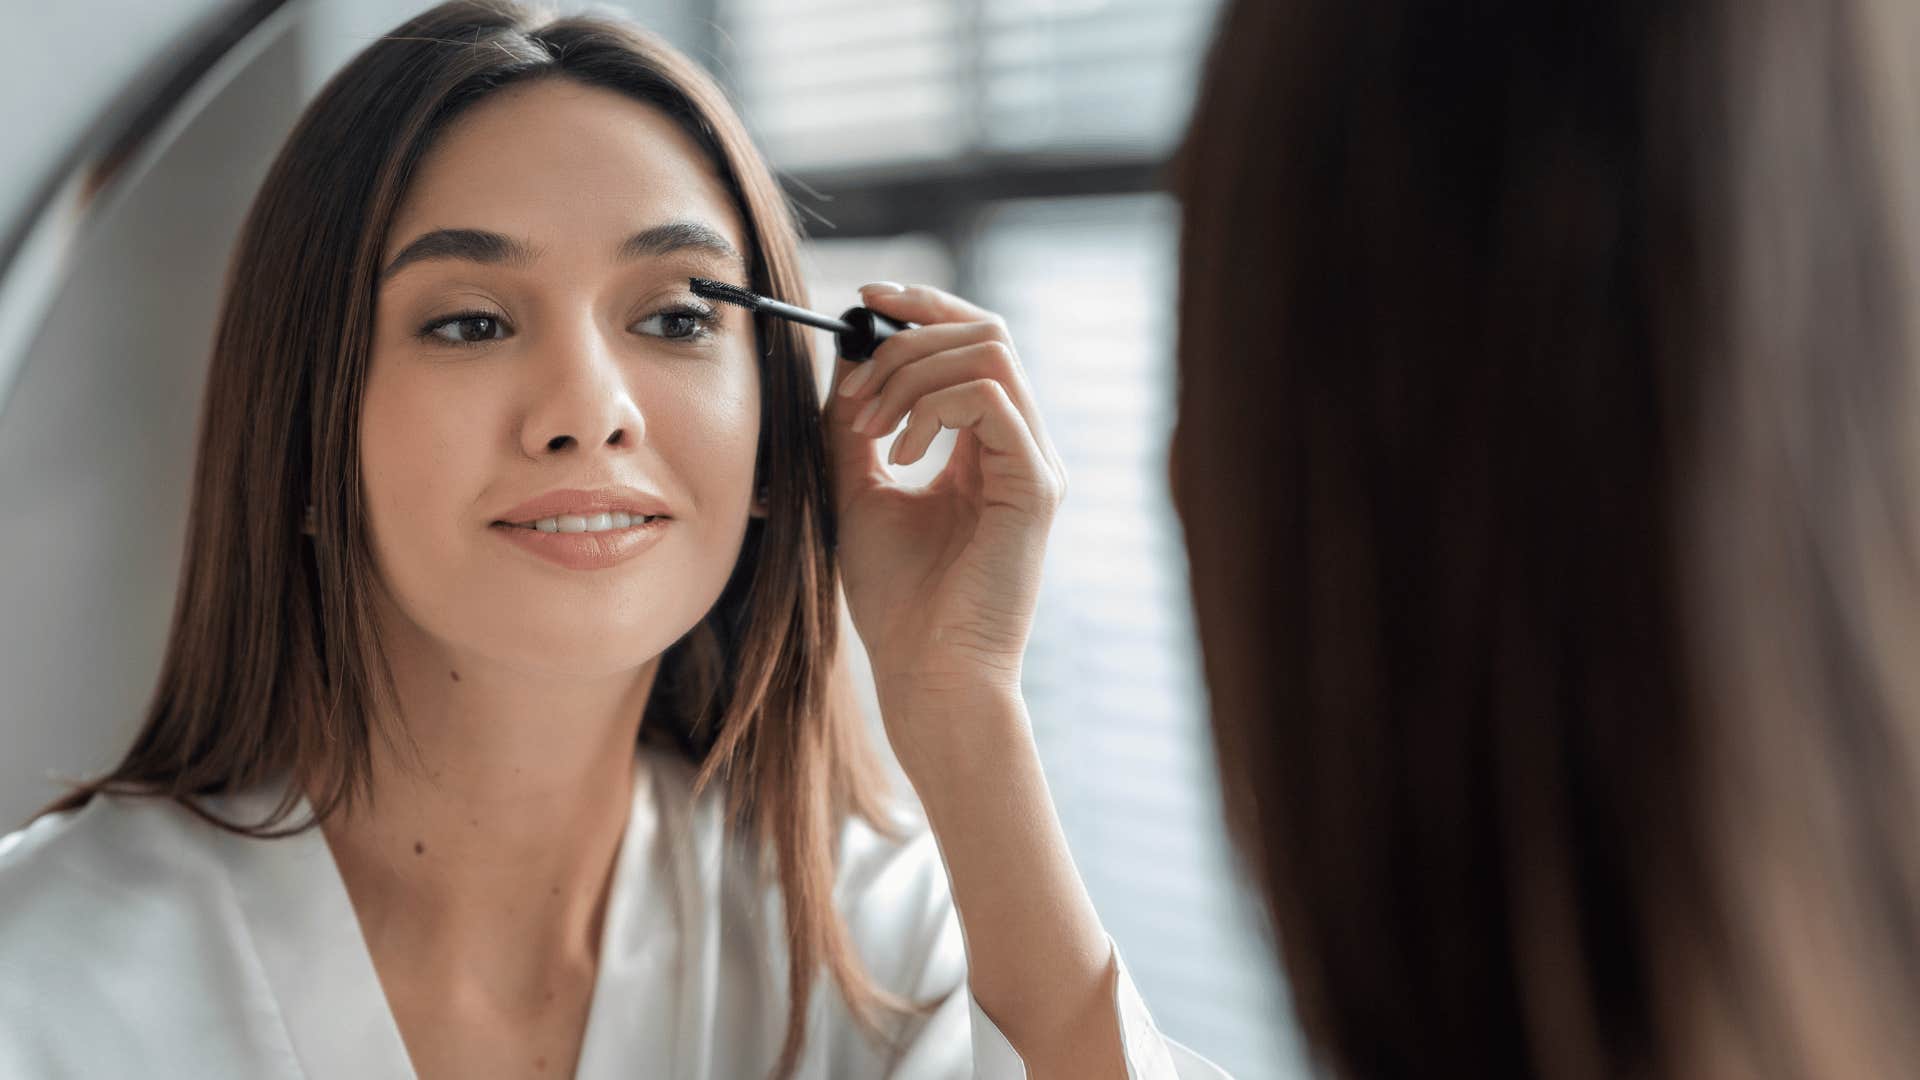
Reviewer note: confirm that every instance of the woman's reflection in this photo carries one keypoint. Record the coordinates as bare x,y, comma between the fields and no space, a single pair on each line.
485,498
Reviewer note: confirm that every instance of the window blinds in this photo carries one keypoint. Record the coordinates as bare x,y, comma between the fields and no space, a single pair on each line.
1087,286
840,84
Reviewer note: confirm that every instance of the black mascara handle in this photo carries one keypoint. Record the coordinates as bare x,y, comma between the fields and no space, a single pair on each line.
866,329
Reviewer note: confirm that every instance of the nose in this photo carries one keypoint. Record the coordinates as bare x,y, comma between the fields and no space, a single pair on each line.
580,397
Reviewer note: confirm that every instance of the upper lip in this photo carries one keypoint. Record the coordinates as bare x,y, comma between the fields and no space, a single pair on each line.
585,503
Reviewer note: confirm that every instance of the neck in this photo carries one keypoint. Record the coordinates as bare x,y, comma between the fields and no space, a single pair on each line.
490,855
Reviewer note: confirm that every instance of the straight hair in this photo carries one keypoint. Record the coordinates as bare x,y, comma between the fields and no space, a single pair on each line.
1546,455
273,662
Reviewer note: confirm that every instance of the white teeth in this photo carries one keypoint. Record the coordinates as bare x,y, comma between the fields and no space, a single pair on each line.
576,523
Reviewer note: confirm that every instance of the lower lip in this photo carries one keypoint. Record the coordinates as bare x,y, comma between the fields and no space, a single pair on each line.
587,550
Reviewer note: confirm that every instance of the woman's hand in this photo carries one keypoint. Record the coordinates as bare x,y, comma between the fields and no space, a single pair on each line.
942,581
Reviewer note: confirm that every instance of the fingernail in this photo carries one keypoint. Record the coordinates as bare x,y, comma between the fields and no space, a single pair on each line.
853,382
883,287
866,415
893,455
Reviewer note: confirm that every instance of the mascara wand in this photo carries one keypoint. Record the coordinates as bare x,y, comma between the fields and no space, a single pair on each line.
856,333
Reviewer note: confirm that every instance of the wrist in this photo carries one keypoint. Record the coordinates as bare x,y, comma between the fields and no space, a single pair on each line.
955,737
945,684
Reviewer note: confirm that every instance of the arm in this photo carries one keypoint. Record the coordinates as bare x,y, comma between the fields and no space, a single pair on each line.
941,582
1039,962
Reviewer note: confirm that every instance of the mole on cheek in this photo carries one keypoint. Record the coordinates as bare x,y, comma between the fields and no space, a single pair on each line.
419,848
455,674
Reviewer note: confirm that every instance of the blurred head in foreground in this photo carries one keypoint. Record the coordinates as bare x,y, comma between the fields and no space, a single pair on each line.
1546,454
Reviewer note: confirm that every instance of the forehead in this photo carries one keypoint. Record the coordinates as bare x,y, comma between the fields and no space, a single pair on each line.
563,164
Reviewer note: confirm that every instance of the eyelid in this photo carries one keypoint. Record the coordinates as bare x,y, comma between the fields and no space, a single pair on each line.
707,316
430,331
688,304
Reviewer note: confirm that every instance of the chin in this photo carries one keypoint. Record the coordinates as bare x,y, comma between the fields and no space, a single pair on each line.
576,651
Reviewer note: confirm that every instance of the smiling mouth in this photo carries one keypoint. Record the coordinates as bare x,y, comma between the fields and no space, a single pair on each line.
590,523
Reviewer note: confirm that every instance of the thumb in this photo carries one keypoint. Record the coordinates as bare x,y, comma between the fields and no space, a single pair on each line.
853,458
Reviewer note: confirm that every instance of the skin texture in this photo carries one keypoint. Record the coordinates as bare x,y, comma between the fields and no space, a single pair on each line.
481,885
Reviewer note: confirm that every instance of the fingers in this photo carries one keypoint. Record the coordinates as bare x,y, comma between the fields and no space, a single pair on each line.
980,360
909,345
956,343
1012,466
966,324
922,304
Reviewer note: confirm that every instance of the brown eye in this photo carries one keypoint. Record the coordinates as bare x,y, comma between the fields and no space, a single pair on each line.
467,328
680,324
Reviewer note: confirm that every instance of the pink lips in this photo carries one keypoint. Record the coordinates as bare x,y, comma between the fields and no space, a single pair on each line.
586,503
587,550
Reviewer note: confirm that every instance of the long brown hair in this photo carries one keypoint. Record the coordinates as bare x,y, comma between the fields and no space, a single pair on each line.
1546,453
273,662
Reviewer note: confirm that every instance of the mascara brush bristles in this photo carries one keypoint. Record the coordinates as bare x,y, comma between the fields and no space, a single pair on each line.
720,290
752,301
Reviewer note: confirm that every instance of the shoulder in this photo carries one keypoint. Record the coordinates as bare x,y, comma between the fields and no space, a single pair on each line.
890,885
117,909
891,888
120,855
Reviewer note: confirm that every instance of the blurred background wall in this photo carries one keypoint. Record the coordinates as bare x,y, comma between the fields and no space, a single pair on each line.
1007,150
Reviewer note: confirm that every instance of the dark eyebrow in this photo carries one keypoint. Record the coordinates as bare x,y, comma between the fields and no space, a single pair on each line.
469,245
680,236
492,248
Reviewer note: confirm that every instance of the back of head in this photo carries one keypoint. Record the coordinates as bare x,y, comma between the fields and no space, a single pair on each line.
1545,453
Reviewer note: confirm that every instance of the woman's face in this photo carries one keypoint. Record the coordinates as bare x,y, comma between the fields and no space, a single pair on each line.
581,373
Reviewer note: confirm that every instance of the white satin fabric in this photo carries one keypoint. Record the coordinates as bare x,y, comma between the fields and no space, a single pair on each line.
137,940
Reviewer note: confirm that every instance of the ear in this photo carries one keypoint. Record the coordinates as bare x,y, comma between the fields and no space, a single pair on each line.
759,504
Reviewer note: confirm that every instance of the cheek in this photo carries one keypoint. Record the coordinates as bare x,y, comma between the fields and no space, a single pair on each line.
714,428
426,440
432,446
415,439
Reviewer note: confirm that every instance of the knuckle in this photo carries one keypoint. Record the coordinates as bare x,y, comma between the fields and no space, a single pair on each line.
1052,493
992,388
999,356
991,328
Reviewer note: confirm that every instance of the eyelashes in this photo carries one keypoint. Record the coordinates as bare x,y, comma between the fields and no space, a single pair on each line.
704,320
430,333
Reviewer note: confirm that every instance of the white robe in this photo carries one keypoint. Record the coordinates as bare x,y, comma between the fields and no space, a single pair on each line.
138,940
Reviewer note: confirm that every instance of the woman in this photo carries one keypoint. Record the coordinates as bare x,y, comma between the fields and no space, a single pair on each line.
1545,453
386,815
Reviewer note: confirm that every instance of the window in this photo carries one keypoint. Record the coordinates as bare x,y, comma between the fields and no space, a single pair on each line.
1008,150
